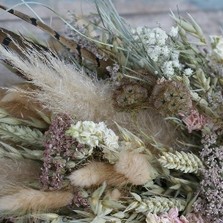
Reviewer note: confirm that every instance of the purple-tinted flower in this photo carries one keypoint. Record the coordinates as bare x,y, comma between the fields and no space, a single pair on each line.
210,201
59,149
194,121
173,217
80,201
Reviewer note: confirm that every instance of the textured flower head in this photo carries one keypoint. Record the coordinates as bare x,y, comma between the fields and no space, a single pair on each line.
93,134
161,36
161,49
130,95
188,72
171,97
59,150
194,121
170,217
174,31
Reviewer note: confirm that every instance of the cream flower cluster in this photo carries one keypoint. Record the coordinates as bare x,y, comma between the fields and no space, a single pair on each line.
93,134
217,48
160,48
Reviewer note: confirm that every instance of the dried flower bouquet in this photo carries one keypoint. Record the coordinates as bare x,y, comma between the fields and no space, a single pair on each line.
112,123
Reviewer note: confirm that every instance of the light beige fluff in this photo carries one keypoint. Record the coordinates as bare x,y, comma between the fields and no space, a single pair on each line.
63,87
15,173
131,168
114,194
19,105
135,167
95,173
26,200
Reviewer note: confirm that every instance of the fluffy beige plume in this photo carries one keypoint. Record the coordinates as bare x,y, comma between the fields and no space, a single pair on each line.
135,167
63,88
114,194
95,173
131,168
18,104
14,176
16,173
26,200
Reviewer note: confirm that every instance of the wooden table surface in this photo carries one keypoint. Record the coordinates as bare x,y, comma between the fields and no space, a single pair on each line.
208,13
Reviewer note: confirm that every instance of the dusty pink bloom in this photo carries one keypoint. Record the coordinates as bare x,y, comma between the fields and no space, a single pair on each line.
210,200
59,149
79,200
170,217
194,218
194,121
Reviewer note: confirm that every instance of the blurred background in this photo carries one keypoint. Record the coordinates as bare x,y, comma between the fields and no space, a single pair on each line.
152,13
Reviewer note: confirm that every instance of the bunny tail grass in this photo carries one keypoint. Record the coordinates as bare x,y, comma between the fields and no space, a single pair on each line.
26,200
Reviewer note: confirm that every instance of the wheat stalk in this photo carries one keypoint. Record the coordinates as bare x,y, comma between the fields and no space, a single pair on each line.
21,134
6,118
155,204
9,151
104,209
185,162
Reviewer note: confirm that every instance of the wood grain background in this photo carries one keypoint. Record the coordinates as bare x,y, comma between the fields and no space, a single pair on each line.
208,13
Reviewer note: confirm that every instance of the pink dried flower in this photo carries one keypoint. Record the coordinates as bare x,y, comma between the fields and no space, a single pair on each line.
170,217
194,121
194,218
58,151
80,201
210,200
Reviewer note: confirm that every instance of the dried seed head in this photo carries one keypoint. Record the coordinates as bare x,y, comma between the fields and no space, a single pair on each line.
171,97
130,95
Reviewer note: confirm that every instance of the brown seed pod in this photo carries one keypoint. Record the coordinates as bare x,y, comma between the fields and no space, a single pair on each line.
130,96
171,97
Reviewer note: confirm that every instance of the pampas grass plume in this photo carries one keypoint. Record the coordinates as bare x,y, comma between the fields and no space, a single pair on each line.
63,86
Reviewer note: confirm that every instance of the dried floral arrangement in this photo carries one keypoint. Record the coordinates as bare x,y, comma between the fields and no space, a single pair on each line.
112,123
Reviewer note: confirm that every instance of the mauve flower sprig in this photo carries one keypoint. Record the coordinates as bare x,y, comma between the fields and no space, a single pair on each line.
172,216
210,201
60,152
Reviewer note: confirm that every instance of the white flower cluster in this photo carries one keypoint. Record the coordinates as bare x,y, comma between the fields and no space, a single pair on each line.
93,134
160,48
217,48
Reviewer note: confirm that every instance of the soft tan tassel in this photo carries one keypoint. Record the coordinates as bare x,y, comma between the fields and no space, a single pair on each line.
18,104
114,194
131,168
95,174
27,200
135,167
15,174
